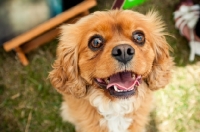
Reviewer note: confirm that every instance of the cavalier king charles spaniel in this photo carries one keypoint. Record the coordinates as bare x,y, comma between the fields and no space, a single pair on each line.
108,65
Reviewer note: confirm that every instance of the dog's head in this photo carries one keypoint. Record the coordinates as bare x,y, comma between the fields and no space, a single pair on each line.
114,51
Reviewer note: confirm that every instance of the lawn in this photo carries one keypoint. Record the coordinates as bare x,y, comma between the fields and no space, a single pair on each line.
28,102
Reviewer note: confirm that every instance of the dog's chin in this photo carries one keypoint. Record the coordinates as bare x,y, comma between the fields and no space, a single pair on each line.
120,85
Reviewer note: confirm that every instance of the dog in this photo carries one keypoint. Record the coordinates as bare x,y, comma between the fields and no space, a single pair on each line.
108,65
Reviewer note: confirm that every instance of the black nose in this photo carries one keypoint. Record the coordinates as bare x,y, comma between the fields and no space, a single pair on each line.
123,53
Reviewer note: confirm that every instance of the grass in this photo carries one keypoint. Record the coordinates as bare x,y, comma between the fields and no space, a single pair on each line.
28,103
177,107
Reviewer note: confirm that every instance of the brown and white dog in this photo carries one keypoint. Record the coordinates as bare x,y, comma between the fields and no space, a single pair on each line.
108,64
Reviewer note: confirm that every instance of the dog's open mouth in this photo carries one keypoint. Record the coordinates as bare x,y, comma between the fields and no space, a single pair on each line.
122,84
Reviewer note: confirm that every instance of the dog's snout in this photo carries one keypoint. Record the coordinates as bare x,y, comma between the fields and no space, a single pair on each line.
123,53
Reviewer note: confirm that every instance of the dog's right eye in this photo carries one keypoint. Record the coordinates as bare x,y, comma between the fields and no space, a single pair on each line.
96,42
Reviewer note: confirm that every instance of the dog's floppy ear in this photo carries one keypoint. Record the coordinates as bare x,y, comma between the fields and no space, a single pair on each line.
161,69
65,75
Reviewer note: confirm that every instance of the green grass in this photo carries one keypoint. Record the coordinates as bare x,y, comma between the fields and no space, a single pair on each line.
177,106
29,103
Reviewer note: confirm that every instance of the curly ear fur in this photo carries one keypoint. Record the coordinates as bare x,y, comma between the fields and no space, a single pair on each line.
65,75
161,69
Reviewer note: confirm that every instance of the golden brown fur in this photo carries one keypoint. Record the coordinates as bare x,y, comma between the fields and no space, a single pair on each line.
85,103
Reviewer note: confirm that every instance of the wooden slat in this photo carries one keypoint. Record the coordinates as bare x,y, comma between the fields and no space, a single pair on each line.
40,40
48,36
81,7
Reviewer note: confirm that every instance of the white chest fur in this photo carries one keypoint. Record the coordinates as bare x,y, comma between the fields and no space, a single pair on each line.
117,123
113,112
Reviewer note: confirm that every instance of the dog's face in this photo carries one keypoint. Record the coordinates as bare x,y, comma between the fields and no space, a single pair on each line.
115,51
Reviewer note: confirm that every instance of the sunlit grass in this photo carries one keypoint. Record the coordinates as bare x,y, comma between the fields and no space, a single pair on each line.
177,106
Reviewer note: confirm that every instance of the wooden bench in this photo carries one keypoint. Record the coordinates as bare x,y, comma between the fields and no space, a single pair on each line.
45,32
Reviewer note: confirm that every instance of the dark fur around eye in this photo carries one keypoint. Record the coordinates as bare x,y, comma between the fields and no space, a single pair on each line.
138,37
96,42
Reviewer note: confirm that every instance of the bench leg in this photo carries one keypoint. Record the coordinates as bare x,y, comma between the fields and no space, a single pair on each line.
21,56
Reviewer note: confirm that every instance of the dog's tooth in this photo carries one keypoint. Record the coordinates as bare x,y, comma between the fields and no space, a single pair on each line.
133,76
115,87
120,90
132,88
106,80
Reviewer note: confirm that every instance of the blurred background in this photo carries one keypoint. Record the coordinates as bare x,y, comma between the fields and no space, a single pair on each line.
29,103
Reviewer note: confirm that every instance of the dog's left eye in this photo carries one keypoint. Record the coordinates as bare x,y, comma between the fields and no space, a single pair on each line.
96,42
138,37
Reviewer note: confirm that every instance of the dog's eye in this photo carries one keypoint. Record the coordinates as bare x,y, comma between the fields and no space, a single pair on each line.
138,37
96,42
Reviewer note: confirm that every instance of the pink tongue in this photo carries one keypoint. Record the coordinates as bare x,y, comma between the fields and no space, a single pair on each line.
122,80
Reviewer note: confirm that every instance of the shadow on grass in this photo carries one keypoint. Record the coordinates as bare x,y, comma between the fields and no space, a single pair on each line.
152,126
8,123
